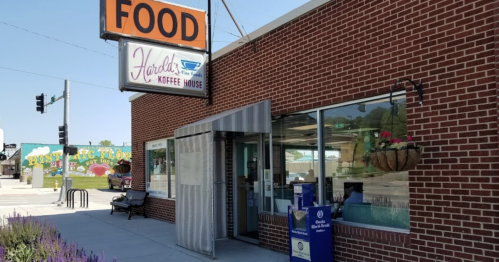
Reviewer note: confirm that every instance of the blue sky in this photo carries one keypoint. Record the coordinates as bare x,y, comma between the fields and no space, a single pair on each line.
44,42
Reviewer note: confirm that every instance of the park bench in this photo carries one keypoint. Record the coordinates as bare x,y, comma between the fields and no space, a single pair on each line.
133,199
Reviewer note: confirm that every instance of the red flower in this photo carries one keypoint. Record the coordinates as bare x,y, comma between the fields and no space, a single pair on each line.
409,138
385,134
123,162
395,140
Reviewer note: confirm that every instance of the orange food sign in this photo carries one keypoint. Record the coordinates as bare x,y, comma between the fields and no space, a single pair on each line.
154,21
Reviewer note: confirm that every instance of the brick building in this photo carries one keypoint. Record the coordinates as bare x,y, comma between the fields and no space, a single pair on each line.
327,69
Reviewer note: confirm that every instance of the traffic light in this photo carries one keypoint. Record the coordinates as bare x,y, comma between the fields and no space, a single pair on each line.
71,150
40,103
63,135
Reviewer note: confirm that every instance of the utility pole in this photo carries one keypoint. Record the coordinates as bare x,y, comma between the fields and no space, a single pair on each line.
65,164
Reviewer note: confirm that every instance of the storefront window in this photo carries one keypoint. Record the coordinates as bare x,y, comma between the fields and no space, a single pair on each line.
160,171
373,196
295,157
376,197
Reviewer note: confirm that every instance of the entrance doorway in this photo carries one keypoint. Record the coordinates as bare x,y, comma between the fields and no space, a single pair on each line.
247,177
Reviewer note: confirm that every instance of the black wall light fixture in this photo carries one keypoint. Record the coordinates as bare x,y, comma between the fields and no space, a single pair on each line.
418,87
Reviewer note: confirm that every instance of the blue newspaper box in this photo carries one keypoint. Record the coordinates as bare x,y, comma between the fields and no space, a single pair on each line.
310,231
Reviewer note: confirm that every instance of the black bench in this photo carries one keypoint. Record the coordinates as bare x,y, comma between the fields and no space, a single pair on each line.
132,199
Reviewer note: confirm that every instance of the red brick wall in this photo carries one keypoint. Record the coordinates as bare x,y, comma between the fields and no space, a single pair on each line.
161,209
273,232
359,244
354,49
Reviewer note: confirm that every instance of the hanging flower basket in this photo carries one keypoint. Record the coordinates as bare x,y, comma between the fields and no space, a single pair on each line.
392,159
122,167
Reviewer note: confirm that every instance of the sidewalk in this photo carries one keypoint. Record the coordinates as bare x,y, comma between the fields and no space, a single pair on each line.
138,239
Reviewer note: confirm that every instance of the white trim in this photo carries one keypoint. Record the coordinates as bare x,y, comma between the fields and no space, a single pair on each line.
135,96
147,173
357,101
286,18
149,143
381,228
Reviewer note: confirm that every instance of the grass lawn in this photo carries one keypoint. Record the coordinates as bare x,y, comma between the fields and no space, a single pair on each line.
78,182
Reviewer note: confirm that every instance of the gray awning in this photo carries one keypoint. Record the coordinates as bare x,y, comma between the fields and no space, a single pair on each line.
254,118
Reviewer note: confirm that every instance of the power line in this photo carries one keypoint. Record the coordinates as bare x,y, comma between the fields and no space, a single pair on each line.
247,23
215,23
239,20
54,77
228,32
111,44
256,11
55,39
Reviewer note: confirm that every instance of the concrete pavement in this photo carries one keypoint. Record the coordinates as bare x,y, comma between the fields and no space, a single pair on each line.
95,229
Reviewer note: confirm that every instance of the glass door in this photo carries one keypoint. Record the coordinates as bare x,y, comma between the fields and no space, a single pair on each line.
247,187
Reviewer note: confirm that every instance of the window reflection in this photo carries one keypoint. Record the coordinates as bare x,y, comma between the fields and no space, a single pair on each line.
171,146
294,154
372,196
160,173
375,197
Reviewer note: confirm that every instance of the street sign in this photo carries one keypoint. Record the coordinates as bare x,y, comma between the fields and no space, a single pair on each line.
341,125
52,99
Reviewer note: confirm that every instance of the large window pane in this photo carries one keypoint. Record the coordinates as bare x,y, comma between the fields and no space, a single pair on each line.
158,165
295,156
376,197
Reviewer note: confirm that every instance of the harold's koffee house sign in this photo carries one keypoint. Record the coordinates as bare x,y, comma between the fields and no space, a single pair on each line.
153,68
167,63
153,21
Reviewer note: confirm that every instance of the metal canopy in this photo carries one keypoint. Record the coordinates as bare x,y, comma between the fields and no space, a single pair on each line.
251,118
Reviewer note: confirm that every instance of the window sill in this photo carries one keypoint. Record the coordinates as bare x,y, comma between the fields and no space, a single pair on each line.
275,214
381,228
159,197
352,224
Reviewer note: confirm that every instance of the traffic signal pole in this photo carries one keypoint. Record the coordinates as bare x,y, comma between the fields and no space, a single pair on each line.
65,163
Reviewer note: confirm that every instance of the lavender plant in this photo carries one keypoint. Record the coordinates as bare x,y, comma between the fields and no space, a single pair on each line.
27,239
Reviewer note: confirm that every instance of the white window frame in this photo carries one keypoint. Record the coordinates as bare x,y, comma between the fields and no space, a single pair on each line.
155,144
321,174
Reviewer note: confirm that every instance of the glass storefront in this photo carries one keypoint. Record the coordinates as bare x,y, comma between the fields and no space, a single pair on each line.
373,197
294,154
160,170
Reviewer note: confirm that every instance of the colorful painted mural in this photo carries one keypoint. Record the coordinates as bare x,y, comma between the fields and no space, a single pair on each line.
90,161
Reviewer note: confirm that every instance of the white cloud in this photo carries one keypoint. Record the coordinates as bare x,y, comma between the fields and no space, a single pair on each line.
39,151
81,168
106,149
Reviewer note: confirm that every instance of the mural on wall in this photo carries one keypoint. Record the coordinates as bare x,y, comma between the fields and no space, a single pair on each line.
90,161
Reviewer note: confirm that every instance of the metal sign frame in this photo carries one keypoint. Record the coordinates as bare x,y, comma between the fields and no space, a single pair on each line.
126,85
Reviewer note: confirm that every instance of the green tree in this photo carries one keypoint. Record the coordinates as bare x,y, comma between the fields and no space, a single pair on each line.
296,153
106,143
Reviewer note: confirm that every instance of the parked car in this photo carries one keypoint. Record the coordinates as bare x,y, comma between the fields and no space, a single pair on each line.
123,181
57,172
291,177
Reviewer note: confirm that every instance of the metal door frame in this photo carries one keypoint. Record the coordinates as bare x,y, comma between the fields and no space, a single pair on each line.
250,138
